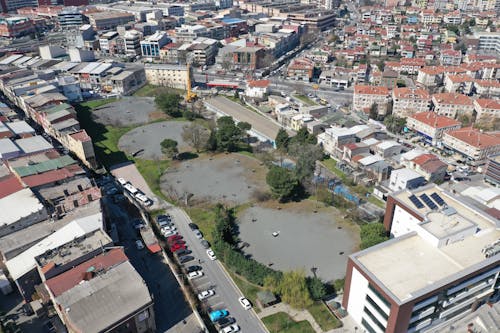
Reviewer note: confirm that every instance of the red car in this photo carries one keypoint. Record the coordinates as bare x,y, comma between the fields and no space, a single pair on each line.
173,237
177,247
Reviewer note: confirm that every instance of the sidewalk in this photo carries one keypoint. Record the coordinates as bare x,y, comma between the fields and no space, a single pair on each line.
295,314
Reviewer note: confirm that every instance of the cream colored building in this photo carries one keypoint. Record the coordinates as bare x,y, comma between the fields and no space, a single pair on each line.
431,125
408,101
365,96
164,75
452,104
473,144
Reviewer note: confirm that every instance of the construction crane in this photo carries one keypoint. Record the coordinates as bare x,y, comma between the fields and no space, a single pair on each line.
190,95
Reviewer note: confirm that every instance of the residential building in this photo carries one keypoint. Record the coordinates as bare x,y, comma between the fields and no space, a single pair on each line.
450,57
402,179
431,76
109,19
492,170
460,83
16,26
151,45
70,17
164,75
475,145
430,167
444,250
132,42
334,139
257,88
431,126
452,105
249,58
489,42
487,110
301,69
408,101
388,148
12,5
366,96
127,81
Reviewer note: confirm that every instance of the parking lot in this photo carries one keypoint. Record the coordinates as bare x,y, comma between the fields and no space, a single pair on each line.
126,111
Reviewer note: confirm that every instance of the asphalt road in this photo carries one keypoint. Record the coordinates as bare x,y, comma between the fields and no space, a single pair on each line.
226,292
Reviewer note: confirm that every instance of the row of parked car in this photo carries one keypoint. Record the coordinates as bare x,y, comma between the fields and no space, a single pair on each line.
134,192
177,245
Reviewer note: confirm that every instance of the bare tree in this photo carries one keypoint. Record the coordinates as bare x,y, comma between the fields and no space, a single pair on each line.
195,135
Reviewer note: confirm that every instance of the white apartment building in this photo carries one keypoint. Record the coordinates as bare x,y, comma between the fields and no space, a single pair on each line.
473,144
431,126
408,101
164,75
452,104
365,96
487,109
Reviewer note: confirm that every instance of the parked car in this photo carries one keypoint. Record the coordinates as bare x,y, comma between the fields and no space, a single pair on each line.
194,275
168,228
176,241
193,226
185,259
218,314
226,321
48,327
122,181
174,237
165,223
211,254
198,234
27,309
177,247
206,294
182,252
139,244
168,233
205,244
230,329
193,268
138,224
245,303
160,218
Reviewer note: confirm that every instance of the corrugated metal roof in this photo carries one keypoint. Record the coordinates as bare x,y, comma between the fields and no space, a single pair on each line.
41,167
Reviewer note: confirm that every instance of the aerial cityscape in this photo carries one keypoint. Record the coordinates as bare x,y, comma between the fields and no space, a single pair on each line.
255,166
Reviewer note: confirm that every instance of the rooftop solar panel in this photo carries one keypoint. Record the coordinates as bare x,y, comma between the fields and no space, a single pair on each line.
438,199
428,201
415,201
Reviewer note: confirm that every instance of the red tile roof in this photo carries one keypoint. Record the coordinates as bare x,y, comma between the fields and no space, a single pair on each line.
67,280
434,120
81,136
475,137
411,93
452,98
487,103
371,90
259,83
9,184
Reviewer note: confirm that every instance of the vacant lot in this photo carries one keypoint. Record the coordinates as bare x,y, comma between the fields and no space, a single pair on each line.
306,239
231,178
146,139
126,111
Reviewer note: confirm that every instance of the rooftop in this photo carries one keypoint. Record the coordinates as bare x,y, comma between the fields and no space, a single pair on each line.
410,265
20,127
7,146
452,98
123,290
435,120
33,144
19,205
371,90
474,137
8,185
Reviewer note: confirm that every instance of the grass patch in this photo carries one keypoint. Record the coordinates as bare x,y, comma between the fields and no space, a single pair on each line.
152,171
282,323
204,218
248,289
306,100
325,319
331,165
376,201
151,91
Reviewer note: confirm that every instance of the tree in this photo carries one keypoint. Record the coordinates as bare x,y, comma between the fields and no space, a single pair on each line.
394,124
282,182
303,136
212,140
244,126
306,154
228,134
169,103
372,234
373,111
196,136
169,148
282,139
293,289
316,288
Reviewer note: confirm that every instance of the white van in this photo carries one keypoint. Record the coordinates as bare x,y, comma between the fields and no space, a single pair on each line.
132,190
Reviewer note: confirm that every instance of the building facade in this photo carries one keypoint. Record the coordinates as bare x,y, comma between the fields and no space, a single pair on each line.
164,75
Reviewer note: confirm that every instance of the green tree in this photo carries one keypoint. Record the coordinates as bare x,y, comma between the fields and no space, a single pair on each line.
282,182
169,148
316,288
306,154
282,139
228,134
196,136
293,289
373,111
169,103
394,124
212,140
303,136
372,234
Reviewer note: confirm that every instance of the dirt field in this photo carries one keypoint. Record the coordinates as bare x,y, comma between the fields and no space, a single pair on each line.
127,111
231,178
306,239
149,137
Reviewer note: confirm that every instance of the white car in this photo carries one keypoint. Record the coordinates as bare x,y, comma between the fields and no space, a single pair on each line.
245,303
168,228
122,181
195,275
167,233
206,294
230,329
197,234
211,254
139,245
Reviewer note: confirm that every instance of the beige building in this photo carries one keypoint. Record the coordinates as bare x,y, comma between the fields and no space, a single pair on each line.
487,110
473,144
452,104
407,101
164,75
431,126
365,96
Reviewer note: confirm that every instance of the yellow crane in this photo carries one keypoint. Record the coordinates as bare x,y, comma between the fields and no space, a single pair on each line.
190,95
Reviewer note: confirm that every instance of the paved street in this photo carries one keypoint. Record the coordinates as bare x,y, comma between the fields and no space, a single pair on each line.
227,293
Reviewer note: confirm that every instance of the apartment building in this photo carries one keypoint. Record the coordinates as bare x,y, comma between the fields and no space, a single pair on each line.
460,83
487,110
430,76
173,76
408,101
489,42
301,69
431,126
151,45
109,20
441,265
452,105
334,139
132,40
492,170
365,96
474,145
16,26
